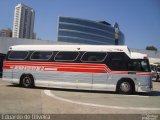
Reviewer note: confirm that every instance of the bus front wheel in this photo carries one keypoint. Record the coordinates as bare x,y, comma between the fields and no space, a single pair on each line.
125,87
27,81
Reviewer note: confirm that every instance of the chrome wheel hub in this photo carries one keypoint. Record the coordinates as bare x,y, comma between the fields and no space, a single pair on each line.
125,86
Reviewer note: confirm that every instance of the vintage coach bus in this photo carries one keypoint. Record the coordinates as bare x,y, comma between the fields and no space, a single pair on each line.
90,67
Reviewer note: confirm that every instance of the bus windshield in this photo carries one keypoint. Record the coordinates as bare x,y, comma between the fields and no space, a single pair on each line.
139,65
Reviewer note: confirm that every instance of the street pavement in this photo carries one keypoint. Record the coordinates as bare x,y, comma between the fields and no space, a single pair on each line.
18,100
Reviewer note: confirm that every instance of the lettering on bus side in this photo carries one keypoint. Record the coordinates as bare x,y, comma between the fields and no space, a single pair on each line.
34,68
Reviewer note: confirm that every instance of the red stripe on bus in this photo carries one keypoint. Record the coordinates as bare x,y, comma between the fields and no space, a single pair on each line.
119,72
81,70
68,67
144,73
58,64
6,67
52,66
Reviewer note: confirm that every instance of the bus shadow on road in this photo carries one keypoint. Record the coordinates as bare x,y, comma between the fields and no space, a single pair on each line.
152,93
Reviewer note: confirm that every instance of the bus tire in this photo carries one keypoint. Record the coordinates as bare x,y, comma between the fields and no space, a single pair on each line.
27,81
125,86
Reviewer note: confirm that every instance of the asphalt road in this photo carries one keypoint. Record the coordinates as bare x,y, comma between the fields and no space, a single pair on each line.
18,100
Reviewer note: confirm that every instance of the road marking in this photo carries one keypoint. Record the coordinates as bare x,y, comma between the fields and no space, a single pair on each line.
48,93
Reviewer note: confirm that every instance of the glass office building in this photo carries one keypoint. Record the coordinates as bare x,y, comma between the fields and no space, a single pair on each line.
75,30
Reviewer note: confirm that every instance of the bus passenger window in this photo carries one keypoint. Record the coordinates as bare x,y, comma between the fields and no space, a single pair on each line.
66,56
134,65
138,65
41,55
117,62
18,55
93,57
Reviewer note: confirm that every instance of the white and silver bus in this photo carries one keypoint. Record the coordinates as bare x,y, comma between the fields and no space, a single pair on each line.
90,67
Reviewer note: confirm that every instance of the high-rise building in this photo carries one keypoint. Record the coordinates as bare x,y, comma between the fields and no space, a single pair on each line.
6,32
82,31
23,26
34,35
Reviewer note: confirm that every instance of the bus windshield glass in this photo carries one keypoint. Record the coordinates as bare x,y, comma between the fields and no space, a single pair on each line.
139,65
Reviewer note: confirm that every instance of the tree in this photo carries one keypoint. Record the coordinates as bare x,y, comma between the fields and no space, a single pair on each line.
151,48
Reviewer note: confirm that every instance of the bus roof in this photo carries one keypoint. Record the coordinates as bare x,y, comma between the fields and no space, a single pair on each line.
97,48
135,55
70,47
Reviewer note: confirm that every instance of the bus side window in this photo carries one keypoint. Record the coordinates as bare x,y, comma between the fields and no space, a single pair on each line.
41,55
18,55
66,56
133,65
138,65
117,61
93,57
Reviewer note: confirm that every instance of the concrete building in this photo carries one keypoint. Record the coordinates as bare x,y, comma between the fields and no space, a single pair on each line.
6,32
23,24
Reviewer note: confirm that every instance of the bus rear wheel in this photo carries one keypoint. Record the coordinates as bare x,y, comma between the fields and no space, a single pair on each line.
125,87
27,81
